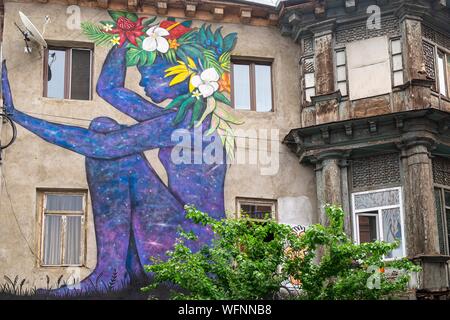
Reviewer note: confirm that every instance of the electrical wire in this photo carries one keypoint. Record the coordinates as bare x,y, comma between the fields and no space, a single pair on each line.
5,186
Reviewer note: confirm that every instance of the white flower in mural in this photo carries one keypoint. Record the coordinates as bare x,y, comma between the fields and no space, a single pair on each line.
108,27
206,82
156,40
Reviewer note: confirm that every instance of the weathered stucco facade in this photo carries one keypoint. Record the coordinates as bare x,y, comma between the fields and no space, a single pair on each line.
31,164
360,108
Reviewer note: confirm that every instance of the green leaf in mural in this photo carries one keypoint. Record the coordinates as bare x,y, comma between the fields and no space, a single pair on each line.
117,14
225,61
218,38
133,56
151,57
182,111
197,111
175,103
220,97
211,61
148,22
95,34
229,41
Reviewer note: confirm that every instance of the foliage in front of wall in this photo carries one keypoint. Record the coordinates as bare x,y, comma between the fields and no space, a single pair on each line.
251,260
333,267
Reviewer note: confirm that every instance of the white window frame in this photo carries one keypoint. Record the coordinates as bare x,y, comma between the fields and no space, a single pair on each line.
256,202
337,81
64,215
380,217
392,55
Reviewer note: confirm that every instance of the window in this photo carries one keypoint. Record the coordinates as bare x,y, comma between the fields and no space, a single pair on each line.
256,209
397,62
443,66
378,215
341,72
68,73
252,85
63,231
437,65
309,79
442,197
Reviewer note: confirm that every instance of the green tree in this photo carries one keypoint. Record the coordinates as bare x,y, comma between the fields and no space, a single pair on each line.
249,260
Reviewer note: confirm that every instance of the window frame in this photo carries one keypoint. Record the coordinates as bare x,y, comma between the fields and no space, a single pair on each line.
251,62
42,195
68,70
442,189
336,66
379,210
256,202
392,55
446,52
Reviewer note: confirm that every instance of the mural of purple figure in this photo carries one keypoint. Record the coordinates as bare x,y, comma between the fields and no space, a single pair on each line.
135,215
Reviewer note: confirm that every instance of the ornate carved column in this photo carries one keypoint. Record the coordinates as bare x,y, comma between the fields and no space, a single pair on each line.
329,181
420,213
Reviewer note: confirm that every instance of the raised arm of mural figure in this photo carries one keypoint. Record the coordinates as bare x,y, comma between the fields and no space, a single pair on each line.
147,135
110,87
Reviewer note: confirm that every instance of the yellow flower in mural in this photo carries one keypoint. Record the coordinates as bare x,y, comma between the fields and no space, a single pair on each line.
181,72
173,44
115,40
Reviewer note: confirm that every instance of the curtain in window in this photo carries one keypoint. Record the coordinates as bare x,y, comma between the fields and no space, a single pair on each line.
392,230
57,202
52,239
73,240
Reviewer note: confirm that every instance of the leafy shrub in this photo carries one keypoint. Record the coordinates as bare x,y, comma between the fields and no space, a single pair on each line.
250,260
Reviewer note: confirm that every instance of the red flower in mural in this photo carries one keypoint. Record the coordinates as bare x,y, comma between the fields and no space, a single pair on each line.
128,30
176,29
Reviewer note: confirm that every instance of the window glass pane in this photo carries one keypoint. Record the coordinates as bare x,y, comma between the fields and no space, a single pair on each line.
377,199
448,71
52,240
398,78
340,58
397,62
367,228
439,218
263,82
73,240
442,77
309,80
396,47
310,93
56,73
447,198
341,74
392,230
263,211
81,74
241,86
64,202
248,209
343,87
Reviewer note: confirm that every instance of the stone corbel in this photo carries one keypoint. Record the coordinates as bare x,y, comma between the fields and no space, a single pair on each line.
219,12
246,15
190,9
161,7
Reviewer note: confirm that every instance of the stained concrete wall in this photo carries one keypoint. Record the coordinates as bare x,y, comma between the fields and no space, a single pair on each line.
32,163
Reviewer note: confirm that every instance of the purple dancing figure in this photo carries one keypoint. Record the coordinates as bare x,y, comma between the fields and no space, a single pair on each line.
136,215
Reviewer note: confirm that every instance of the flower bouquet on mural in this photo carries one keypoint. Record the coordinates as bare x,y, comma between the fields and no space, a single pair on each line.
199,57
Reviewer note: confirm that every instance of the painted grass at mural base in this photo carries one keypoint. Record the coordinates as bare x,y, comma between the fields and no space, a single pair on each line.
16,288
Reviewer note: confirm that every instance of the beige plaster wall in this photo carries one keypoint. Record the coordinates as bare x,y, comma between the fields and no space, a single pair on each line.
31,163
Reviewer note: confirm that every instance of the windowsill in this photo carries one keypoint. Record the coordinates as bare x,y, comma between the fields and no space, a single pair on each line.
254,111
58,101
63,266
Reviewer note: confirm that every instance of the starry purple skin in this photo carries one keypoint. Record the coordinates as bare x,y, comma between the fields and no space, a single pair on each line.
136,216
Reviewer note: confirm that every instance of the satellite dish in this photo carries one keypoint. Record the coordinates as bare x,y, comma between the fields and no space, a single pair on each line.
31,33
